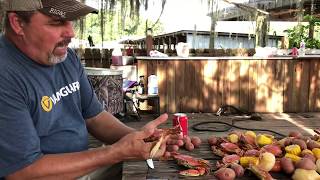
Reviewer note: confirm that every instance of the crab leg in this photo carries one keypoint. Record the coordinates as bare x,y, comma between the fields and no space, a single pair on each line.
156,147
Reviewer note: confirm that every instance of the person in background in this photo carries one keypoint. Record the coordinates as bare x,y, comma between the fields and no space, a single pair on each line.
48,105
90,41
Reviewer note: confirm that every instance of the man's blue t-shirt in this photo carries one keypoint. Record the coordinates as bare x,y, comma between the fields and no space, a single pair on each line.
42,108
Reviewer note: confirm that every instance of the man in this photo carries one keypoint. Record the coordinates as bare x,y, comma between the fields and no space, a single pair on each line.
90,41
47,104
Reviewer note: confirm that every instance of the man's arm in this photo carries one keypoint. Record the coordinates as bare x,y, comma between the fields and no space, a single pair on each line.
73,165
107,128
68,165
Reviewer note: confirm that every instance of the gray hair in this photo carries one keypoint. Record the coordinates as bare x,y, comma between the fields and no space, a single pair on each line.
25,17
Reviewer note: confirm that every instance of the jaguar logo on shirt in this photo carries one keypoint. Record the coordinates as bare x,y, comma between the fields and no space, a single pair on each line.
47,102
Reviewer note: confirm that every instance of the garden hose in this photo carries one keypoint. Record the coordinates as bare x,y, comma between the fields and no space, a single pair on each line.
226,110
227,127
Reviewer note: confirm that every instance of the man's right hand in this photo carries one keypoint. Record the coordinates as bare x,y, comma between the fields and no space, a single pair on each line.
133,146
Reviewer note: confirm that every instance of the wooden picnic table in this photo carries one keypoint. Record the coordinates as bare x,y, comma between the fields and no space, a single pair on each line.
280,122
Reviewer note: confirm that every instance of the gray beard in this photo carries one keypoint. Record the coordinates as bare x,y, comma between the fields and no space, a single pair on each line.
57,59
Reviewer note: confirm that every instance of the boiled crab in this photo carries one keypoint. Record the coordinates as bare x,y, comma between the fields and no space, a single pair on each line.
226,148
159,138
197,166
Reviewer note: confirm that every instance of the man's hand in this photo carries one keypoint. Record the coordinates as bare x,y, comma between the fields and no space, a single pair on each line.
171,143
133,146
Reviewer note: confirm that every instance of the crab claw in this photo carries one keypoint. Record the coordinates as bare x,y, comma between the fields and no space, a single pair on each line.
156,147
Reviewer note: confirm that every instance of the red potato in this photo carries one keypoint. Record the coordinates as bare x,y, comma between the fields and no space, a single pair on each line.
313,144
212,140
287,165
238,169
172,148
189,146
276,167
285,141
196,141
295,134
225,174
306,164
310,156
288,141
301,143
186,139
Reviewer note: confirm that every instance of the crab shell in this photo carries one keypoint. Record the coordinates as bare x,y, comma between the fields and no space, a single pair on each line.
197,166
231,148
217,151
198,171
164,132
233,158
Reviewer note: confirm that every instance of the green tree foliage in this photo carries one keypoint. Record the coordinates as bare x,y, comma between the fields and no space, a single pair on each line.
120,18
301,32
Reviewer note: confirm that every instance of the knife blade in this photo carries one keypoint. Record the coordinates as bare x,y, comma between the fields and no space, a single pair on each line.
150,163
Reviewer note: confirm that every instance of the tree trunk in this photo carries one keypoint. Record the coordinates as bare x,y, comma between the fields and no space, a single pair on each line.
102,23
262,29
300,16
212,33
214,6
311,29
82,28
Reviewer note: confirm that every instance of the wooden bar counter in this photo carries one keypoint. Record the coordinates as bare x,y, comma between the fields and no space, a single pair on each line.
203,84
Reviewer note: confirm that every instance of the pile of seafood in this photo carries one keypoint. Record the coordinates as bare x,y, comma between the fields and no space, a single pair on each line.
296,155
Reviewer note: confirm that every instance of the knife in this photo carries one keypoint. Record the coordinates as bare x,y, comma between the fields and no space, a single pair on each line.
150,163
